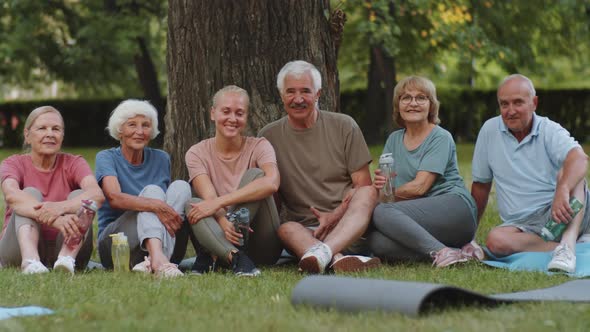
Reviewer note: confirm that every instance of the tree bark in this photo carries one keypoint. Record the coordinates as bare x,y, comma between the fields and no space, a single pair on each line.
379,107
212,44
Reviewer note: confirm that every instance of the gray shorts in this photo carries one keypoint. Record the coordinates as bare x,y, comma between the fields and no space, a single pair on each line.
535,222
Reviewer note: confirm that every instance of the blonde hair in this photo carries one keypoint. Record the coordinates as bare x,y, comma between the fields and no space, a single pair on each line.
32,117
421,84
232,89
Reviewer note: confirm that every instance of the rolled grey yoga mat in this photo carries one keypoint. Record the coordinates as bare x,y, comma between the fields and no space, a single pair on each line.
415,298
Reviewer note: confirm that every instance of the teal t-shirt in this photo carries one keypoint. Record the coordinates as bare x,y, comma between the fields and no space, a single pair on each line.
437,154
155,169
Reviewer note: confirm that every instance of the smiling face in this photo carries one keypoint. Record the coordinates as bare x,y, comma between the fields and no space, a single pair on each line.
299,98
136,133
517,106
46,134
230,114
414,106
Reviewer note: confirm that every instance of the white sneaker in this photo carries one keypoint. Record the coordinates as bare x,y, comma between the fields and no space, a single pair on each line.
564,259
33,267
64,264
143,267
316,258
169,270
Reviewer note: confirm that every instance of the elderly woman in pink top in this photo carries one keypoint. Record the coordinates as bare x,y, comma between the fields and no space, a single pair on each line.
228,172
43,190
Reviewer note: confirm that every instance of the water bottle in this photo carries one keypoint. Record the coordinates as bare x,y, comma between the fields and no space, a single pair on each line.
241,221
85,216
553,229
386,167
120,252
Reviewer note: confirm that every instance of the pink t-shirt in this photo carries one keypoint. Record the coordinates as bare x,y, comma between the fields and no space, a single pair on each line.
54,185
225,174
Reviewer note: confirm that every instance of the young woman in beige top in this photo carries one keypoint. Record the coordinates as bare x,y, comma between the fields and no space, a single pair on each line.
228,172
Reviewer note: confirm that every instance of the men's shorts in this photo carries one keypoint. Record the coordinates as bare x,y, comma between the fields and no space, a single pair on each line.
535,222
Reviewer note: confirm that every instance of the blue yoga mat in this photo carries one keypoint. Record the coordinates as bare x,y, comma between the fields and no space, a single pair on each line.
537,261
6,313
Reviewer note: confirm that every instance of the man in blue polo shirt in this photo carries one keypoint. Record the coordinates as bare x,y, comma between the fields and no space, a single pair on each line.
537,166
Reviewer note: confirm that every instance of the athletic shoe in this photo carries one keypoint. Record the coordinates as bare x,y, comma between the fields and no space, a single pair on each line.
447,256
33,267
472,250
64,264
316,258
564,259
353,263
143,267
168,270
243,266
204,263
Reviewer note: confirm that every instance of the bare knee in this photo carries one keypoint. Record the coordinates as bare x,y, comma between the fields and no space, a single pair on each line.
287,229
498,243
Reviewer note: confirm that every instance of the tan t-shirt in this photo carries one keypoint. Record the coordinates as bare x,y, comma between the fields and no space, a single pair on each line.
316,163
225,174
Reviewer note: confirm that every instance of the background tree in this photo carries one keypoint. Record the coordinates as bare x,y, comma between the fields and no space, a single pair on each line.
103,47
216,43
454,41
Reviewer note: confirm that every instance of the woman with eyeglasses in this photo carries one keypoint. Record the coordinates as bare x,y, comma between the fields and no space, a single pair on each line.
433,214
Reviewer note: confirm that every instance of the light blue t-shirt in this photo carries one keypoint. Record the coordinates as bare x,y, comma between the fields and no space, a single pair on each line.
437,154
155,170
525,173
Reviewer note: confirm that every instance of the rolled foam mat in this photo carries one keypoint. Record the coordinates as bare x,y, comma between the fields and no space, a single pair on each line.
415,298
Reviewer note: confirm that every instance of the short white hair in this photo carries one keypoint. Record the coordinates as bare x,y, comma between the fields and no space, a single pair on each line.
527,80
128,109
298,68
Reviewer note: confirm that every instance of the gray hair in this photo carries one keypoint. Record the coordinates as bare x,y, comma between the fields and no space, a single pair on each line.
297,68
36,113
128,109
527,80
230,89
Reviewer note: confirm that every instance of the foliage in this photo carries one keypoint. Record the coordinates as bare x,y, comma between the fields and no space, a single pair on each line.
91,43
455,39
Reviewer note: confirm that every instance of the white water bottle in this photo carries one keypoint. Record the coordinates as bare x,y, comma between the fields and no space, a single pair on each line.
386,166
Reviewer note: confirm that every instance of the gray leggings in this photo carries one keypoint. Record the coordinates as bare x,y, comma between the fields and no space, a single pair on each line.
139,226
48,250
264,246
411,230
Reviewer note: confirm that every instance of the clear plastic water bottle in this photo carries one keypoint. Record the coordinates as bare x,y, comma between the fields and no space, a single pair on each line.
85,215
120,252
386,166
241,221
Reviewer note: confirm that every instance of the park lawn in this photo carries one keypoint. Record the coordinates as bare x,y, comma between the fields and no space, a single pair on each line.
108,301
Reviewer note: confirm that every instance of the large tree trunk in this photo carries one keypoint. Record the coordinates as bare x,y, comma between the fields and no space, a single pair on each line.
212,44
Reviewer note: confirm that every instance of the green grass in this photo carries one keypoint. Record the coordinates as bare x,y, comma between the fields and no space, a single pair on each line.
100,300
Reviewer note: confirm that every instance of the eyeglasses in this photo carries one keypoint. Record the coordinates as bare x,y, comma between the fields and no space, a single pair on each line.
420,99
